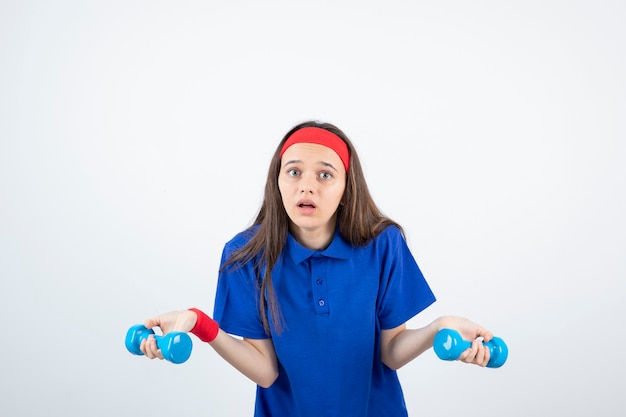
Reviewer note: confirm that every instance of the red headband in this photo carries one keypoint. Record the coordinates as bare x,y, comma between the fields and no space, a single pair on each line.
319,136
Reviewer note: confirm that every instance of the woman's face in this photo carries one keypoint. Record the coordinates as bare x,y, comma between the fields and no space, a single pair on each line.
312,180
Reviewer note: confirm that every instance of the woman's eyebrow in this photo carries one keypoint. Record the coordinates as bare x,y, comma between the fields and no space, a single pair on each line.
323,163
328,164
292,161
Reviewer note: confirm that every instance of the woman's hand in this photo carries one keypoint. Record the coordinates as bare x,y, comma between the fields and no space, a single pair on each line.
477,354
173,321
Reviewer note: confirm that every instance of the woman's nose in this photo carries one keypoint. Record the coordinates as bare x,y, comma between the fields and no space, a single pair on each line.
306,185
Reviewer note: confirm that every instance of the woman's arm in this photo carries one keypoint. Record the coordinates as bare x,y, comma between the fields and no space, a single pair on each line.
255,358
400,345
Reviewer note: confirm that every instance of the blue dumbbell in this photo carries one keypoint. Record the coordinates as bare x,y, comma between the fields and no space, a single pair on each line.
449,345
175,346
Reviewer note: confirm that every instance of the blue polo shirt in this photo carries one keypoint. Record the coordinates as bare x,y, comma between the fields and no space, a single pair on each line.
334,303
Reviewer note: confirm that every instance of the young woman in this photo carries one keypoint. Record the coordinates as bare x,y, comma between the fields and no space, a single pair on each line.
313,298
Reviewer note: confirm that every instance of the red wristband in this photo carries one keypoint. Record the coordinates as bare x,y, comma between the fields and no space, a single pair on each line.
206,328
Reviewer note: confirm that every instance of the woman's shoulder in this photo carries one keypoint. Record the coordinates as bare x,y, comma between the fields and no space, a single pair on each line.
390,232
390,238
241,239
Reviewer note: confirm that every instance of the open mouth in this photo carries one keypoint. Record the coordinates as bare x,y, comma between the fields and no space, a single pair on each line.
305,204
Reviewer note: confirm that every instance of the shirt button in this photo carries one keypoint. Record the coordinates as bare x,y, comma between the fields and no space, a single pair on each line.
321,303
319,281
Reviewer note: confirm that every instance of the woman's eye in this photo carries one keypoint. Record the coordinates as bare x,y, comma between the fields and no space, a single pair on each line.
293,172
326,175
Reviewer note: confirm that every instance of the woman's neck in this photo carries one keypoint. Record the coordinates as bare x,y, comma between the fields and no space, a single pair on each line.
315,239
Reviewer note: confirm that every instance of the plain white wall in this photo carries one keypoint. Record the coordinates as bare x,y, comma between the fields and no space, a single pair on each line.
135,138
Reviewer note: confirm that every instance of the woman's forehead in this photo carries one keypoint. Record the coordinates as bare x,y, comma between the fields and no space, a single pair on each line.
310,152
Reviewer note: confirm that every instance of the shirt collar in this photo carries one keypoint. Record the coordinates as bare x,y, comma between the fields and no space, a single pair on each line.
338,248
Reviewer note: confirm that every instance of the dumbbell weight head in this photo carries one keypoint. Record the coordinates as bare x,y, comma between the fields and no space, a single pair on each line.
134,336
498,352
175,347
449,344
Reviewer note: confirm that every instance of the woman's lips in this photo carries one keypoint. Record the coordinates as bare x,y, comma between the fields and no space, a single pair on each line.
306,206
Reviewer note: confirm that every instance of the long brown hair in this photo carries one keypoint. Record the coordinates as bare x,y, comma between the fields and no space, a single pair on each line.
359,221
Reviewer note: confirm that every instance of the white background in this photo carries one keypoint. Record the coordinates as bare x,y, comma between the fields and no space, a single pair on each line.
135,138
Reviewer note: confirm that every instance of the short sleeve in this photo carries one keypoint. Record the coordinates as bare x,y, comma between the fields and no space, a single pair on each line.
236,301
403,292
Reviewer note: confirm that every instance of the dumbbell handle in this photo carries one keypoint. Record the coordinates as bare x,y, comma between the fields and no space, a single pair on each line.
449,345
175,347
